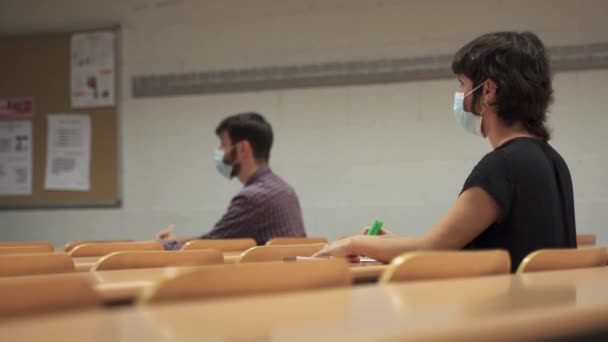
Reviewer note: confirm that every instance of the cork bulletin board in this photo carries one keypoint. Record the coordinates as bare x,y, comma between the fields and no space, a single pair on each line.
38,67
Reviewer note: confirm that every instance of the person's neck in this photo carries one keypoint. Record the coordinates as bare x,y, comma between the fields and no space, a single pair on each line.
248,171
500,134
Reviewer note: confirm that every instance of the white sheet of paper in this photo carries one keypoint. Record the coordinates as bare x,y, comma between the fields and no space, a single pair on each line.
366,259
362,260
68,158
92,69
16,157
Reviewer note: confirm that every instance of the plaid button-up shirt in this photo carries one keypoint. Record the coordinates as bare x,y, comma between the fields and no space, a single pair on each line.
267,207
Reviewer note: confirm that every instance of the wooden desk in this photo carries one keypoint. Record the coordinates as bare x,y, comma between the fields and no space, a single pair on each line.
363,273
84,264
125,285
497,308
231,257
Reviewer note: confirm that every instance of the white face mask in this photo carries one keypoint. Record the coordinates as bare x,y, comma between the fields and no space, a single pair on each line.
223,168
467,120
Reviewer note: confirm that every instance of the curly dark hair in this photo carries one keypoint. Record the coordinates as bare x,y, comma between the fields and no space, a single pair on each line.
519,65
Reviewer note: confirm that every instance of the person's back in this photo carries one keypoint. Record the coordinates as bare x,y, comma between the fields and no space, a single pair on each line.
277,209
532,183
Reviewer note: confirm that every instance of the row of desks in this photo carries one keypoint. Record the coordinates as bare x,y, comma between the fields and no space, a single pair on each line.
125,285
84,264
506,307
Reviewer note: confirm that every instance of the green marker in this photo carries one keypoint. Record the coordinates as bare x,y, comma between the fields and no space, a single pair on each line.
375,228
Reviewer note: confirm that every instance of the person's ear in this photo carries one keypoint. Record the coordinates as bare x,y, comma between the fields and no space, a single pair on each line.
245,149
489,91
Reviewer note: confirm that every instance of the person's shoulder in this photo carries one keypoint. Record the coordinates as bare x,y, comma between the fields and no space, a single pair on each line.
274,185
263,187
514,151
555,155
522,147
249,191
272,179
496,158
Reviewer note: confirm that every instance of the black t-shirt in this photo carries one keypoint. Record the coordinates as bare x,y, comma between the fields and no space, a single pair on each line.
531,184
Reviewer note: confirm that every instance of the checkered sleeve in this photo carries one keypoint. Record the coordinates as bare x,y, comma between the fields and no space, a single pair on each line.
239,220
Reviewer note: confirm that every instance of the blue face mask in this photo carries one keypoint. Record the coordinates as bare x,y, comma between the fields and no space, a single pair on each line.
467,120
224,169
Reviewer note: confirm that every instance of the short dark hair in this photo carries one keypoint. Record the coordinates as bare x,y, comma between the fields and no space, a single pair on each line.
251,127
519,65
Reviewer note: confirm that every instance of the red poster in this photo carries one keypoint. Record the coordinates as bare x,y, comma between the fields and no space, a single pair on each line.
17,108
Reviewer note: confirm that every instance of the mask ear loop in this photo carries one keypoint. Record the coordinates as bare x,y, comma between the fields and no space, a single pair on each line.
479,128
485,104
471,92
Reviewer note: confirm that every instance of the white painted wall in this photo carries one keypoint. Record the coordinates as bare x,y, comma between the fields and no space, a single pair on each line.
352,153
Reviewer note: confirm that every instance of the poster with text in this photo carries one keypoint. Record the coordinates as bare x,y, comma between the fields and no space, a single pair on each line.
92,70
18,108
68,158
16,157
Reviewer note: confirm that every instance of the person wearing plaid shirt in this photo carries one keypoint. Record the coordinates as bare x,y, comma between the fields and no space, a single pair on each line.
267,206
